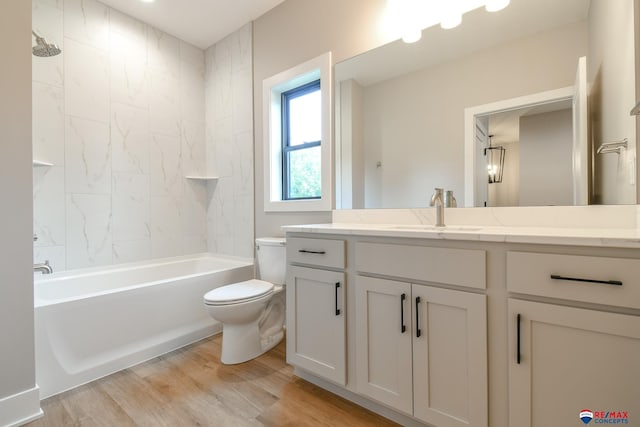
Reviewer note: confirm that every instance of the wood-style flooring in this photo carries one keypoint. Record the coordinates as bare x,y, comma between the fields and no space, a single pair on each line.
190,387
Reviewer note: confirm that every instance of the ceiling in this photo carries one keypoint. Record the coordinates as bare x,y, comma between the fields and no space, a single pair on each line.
199,22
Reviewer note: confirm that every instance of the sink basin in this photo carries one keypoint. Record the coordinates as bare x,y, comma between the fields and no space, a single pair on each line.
434,228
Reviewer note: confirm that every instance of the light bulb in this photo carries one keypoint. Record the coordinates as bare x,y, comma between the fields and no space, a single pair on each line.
451,20
496,5
412,36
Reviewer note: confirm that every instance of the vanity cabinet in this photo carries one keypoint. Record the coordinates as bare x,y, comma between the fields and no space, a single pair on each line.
422,349
565,358
315,301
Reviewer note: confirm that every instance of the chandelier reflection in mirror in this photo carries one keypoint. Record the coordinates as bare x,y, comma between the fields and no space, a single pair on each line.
409,17
495,161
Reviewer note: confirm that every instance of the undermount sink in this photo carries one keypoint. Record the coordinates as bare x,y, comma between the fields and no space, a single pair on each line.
434,228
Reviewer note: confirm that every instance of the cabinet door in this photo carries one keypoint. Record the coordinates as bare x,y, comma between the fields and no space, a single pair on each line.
449,357
383,343
316,322
568,360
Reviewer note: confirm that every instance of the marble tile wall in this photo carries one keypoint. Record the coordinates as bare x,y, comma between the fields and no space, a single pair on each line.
121,115
229,141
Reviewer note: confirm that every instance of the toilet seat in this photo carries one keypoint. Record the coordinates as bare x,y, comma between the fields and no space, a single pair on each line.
237,293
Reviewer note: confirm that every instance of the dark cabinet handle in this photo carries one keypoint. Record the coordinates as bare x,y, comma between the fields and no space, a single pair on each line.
518,339
337,309
307,251
418,331
403,328
576,279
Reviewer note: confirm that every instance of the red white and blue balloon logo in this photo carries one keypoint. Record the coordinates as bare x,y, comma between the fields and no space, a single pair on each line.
586,416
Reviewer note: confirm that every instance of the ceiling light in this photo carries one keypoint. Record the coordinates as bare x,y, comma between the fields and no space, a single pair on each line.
412,36
496,5
147,1
451,20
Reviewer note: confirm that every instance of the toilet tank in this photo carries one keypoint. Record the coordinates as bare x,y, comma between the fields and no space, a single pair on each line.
272,259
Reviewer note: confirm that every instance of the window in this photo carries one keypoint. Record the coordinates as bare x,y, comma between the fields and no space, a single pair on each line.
297,138
301,139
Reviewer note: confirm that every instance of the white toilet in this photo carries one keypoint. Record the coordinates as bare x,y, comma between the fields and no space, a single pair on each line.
252,312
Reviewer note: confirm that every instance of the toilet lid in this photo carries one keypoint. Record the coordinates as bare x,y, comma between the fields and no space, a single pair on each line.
238,292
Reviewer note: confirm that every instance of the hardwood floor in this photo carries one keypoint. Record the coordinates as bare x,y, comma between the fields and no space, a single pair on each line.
190,387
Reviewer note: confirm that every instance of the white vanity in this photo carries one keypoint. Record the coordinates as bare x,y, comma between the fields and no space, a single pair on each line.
470,326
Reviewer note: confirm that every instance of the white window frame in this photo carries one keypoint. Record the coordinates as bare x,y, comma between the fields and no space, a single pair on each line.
272,89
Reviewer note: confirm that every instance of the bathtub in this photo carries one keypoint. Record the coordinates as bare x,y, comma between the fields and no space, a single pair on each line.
91,323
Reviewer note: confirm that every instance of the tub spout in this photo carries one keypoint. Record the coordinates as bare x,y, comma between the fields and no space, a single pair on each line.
44,268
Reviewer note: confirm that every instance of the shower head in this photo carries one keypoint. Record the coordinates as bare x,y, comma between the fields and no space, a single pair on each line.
44,49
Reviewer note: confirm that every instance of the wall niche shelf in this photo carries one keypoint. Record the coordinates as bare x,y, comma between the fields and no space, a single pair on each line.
202,177
40,163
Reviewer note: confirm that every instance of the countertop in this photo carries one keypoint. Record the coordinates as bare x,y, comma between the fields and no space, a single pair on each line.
609,237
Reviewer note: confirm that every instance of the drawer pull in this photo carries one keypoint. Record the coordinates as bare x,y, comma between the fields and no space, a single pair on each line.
337,309
306,251
418,331
576,279
403,328
518,339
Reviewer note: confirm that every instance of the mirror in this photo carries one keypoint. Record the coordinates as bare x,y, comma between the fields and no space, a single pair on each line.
406,114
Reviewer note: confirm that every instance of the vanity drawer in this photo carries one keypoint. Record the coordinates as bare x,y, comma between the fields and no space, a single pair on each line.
610,281
461,267
320,252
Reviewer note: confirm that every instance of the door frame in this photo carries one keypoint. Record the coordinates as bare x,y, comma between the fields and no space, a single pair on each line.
471,113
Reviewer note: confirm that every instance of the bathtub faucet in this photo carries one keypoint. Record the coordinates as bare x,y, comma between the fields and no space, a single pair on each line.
44,268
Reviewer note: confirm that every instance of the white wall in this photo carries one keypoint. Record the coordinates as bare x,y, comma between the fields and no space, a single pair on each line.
611,70
349,123
546,159
416,122
120,114
294,32
17,369
229,118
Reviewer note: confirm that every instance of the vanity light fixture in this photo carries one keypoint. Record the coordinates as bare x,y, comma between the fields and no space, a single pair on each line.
412,35
496,5
495,161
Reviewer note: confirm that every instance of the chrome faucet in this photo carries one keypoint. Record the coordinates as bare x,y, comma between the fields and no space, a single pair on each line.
437,200
44,268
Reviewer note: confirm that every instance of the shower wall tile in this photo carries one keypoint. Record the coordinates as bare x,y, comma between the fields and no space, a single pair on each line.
130,139
164,52
54,254
89,241
194,244
166,227
164,102
129,71
194,206
47,21
242,105
193,148
48,123
166,171
86,81
131,251
87,22
192,76
48,206
87,157
242,161
130,199
229,141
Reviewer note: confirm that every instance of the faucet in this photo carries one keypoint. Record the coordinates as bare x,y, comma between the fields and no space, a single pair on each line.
438,202
44,268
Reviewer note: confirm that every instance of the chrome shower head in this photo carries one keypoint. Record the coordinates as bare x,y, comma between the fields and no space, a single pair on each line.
44,49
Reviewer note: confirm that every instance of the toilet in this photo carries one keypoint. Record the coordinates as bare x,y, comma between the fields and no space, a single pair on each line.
252,312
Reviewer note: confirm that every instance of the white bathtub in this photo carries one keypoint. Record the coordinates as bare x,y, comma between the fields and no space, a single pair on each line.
91,323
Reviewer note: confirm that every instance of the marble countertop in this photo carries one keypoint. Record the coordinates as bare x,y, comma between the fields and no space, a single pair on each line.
603,237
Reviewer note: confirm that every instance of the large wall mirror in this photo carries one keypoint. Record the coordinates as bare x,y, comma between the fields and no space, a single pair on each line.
539,93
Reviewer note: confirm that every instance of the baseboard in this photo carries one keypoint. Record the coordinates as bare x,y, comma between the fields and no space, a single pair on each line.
20,408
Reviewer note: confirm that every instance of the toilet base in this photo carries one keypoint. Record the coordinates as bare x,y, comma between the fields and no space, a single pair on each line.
241,343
